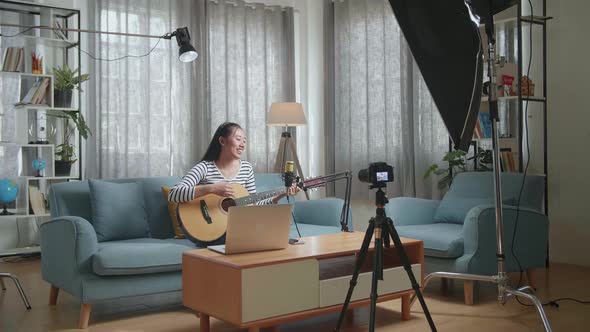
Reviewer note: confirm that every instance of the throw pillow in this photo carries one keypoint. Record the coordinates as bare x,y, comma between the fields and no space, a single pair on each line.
178,233
118,210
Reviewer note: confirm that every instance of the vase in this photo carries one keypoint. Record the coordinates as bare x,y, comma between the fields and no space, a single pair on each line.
62,99
62,168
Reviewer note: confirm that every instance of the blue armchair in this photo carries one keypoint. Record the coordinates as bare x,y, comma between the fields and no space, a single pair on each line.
459,232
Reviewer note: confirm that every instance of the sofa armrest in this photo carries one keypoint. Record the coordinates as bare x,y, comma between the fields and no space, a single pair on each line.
479,234
411,211
322,212
67,246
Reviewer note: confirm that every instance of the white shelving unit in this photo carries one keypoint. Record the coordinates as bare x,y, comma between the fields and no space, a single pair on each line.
518,37
32,202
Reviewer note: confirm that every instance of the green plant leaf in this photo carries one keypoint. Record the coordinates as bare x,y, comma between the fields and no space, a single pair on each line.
432,169
66,78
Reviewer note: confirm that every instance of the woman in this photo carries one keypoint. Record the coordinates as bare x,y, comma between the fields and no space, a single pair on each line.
220,166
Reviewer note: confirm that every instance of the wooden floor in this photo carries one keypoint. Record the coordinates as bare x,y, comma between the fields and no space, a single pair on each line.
449,313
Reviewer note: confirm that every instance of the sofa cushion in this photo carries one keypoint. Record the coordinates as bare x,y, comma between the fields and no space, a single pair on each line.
138,256
185,242
173,213
440,240
118,210
453,209
156,205
324,212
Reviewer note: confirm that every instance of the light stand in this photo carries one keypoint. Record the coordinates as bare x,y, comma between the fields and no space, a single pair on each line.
382,227
18,287
505,291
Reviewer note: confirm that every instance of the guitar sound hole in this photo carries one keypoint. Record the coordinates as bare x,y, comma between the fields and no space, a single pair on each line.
227,203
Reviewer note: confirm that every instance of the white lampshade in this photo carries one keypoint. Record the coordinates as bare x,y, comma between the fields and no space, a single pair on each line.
286,115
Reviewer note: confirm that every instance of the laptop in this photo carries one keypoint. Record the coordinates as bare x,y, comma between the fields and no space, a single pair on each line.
256,228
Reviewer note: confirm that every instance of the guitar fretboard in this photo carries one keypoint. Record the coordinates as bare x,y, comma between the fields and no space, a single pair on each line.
251,199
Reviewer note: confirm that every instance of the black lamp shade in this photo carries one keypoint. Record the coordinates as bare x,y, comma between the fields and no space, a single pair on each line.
187,53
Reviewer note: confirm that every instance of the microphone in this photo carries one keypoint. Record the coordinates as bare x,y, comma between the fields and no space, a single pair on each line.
289,175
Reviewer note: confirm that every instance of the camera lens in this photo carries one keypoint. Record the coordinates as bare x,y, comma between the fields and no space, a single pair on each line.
364,175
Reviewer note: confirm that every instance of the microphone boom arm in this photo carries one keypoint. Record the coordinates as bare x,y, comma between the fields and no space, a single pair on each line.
321,181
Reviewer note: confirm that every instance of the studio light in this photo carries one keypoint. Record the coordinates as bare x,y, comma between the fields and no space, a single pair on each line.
186,51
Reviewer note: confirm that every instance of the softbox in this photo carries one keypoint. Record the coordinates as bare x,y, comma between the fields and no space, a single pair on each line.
443,36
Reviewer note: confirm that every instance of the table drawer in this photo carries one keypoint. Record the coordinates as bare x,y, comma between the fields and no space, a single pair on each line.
395,279
280,289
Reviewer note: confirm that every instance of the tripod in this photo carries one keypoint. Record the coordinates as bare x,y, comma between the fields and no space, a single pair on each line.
505,292
287,143
382,227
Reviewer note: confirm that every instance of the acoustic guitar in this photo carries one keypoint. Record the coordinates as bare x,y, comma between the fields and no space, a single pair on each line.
205,218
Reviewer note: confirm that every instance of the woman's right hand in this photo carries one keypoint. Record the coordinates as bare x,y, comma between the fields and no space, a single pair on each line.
222,189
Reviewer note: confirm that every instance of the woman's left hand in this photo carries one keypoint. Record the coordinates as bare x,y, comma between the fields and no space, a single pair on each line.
293,190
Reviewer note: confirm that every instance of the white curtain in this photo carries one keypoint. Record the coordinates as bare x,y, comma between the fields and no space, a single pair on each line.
251,51
382,108
155,115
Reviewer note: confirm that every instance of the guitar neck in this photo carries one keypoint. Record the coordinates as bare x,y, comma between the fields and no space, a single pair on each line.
251,199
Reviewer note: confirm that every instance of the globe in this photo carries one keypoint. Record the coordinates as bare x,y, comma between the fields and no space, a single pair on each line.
39,164
8,193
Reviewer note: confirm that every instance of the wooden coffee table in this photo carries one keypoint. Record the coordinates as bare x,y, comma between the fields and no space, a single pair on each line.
265,289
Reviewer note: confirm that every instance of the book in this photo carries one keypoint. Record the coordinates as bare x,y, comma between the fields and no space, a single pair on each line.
28,99
13,59
485,123
36,201
36,93
59,32
41,91
507,160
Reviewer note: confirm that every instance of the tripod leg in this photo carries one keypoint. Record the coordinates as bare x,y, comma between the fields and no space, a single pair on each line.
377,275
281,156
359,263
297,164
405,261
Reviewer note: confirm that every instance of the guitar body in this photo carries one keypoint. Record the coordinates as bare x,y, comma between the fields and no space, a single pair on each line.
192,215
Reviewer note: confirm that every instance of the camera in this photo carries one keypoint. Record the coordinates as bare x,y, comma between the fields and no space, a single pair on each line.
378,173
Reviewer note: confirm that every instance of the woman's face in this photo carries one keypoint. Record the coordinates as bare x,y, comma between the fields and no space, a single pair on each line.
234,144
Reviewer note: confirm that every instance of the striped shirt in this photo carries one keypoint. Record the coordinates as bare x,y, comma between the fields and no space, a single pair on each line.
206,172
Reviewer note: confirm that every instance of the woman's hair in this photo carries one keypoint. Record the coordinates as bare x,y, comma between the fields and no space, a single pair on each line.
214,149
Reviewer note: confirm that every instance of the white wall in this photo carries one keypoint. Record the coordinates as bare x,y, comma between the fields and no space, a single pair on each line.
569,131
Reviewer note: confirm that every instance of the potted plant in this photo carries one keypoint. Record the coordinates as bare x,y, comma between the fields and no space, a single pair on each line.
65,152
456,164
66,80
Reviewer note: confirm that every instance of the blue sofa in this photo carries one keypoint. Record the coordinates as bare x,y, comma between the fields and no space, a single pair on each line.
74,260
459,232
